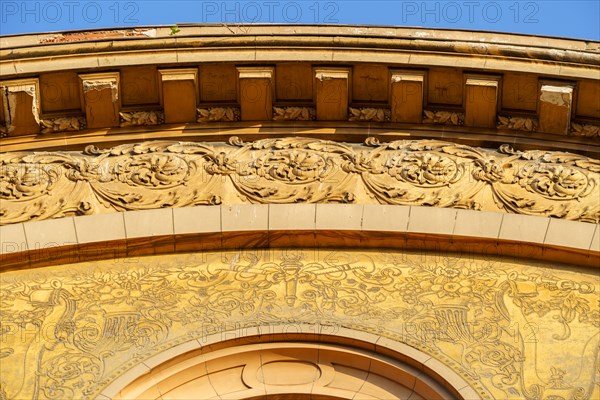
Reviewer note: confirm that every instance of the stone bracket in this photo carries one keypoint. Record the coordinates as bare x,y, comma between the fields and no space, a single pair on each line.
406,95
21,106
332,93
555,106
256,92
481,100
179,94
100,99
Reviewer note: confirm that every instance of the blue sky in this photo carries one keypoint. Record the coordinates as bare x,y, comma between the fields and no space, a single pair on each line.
565,18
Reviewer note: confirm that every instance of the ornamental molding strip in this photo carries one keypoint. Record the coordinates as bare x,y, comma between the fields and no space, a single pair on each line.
150,175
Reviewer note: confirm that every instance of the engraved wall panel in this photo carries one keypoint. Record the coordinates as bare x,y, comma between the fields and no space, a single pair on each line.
520,92
588,99
510,329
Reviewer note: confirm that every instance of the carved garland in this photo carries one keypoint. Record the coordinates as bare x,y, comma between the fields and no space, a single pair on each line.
63,124
35,186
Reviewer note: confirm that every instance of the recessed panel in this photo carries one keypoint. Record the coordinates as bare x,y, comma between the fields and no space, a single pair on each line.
60,92
519,92
139,86
218,83
588,99
445,86
369,83
294,82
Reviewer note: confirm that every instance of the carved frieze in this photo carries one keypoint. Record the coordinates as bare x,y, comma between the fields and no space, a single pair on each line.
150,175
142,118
294,113
218,114
63,124
369,114
585,130
443,117
510,330
518,123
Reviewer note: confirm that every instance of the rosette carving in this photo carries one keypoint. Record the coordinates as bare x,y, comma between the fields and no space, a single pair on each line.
27,181
418,172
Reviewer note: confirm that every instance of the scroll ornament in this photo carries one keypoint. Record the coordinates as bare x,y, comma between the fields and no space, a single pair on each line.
41,185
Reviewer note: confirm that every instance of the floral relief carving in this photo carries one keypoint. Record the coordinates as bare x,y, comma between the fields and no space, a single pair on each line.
511,330
142,118
443,117
584,130
63,124
369,114
412,172
218,114
518,123
294,114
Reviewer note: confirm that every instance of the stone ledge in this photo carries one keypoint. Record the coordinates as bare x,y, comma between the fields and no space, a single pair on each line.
104,236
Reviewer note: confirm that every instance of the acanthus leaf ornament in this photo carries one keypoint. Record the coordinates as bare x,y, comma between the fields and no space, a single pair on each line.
63,124
441,117
218,114
141,118
369,114
294,114
526,124
588,130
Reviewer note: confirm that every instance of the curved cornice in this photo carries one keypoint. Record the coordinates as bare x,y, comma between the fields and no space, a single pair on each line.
565,58
70,89
408,39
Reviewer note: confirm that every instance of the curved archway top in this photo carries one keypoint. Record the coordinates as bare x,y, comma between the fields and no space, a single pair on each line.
296,362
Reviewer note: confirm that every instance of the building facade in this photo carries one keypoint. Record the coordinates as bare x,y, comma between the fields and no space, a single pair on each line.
283,212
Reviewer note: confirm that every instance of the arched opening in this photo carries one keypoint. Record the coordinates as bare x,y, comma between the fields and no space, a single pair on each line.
308,367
